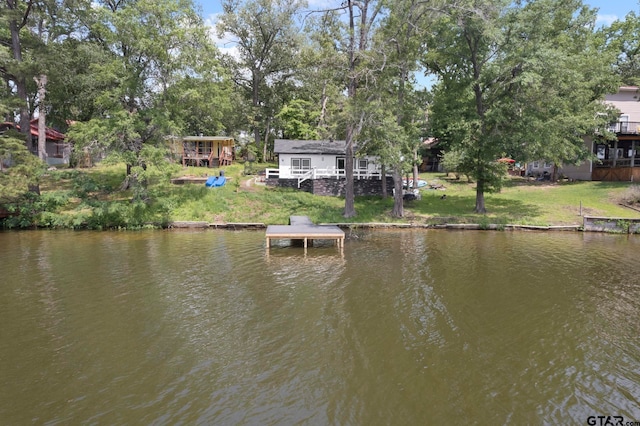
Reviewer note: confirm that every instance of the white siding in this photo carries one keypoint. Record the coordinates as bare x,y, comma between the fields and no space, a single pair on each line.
318,161
581,171
627,101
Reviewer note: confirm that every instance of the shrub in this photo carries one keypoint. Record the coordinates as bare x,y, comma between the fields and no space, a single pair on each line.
631,195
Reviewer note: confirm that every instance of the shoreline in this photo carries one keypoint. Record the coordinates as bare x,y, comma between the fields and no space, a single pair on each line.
614,225
379,225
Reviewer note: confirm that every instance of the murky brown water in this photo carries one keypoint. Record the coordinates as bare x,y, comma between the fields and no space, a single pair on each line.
406,327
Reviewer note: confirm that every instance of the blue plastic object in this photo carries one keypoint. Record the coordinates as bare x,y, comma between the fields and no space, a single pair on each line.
211,181
220,181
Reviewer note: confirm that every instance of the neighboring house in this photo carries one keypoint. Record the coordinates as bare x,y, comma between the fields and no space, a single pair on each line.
318,166
539,169
618,160
431,155
209,150
58,151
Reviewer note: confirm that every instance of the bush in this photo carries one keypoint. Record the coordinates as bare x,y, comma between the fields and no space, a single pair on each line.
631,195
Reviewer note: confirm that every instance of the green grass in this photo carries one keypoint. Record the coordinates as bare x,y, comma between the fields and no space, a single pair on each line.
526,202
92,198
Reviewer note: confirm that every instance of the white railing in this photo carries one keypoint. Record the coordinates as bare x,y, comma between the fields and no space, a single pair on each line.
306,174
271,173
331,173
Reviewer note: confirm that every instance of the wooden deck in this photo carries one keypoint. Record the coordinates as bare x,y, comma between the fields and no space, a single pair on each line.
301,228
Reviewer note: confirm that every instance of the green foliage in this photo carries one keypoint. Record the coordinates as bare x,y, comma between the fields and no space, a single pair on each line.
623,38
522,79
19,169
267,41
299,120
30,209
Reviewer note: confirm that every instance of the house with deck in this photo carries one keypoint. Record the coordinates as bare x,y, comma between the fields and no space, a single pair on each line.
617,160
212,151
318,166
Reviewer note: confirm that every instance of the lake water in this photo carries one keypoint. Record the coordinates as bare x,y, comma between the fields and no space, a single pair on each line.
401,328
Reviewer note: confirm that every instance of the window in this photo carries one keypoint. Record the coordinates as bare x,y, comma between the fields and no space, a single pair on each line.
601,152
624,123
300,164
536,164
363,164
616,153
547,165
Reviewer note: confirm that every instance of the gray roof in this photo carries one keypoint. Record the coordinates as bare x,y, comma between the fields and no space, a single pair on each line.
290,146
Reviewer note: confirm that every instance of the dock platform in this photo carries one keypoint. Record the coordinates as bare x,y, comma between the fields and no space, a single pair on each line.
301,228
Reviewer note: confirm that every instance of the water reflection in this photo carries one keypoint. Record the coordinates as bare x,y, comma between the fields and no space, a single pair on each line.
403,327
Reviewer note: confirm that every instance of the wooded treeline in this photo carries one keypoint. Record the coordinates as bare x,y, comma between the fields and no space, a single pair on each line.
122,77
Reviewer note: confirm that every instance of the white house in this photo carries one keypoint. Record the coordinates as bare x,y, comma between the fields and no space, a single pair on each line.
299,159
618,160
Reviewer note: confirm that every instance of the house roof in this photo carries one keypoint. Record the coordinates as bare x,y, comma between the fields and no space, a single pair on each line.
291,146
51,134
430,142
207,139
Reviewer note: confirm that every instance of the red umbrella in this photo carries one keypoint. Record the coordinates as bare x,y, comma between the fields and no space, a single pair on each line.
506,160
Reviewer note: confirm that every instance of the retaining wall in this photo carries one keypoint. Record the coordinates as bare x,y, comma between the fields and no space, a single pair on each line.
623,225
334,187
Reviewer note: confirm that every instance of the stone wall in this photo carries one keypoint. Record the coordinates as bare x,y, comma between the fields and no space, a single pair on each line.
334,187
611,224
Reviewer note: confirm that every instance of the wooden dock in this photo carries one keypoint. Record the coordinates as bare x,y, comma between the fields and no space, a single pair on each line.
301,228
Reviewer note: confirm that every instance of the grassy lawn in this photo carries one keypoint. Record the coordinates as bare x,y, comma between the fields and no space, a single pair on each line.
92,198
526,202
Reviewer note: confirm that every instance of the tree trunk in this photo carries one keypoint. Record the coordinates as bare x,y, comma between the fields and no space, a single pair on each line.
256,104
349,196
266,140
415,168
398,202
19,80
349,201
323,108
480,207
42,117
383,174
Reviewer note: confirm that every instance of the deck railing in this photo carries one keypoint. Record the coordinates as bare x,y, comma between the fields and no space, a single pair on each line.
618,162
331,173
625,127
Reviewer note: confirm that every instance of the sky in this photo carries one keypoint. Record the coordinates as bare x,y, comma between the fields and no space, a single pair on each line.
608,10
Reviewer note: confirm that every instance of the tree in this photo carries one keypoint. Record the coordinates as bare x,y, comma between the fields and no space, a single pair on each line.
266,38
525,78
321,74
299,120
152,46
402,37
362,20
16,70
623,38
19,169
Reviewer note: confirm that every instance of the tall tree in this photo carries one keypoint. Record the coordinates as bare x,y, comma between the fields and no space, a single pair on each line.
15,72
266,38
515,77
402,38
321,74
152,46
362,18
624,39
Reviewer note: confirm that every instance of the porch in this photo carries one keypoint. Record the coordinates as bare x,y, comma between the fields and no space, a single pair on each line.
327,173
209,150
619,160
